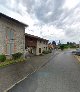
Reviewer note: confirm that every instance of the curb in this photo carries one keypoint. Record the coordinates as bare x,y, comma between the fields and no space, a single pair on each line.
30,73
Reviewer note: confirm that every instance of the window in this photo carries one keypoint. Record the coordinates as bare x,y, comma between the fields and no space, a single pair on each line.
39,50
46,48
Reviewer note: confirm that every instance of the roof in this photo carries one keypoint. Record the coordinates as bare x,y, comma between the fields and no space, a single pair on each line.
35,37
3,15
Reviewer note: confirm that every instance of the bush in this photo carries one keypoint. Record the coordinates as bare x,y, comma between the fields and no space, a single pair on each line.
62,47
45,52
2,58
41,54
50,51
16,55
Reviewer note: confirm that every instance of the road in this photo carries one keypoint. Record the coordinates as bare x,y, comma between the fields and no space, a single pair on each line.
61,74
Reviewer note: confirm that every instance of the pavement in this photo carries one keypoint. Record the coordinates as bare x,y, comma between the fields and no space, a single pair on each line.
13,74
61,74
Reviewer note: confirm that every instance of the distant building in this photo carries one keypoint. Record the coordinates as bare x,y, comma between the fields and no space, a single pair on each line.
35,44
12,39
50,46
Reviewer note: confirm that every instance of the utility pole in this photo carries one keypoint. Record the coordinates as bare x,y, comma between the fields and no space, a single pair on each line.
79,44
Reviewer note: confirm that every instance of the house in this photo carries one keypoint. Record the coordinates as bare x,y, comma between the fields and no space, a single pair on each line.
35,44
12,35
50,46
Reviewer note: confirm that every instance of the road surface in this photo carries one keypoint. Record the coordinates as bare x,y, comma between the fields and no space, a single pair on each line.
61,74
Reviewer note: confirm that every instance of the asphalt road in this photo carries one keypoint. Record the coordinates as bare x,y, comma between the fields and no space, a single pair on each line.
61,74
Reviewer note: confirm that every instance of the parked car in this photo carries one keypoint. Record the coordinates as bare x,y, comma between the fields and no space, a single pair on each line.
73,52
76,52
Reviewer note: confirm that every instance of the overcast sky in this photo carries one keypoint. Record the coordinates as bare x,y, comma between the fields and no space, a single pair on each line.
50,19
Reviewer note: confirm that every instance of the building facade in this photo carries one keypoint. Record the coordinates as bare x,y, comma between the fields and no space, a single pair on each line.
35,44
12,38
42,45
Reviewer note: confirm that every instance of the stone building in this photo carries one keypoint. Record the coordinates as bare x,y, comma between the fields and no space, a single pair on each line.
12,35
35,44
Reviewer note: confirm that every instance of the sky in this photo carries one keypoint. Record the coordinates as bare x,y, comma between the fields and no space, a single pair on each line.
51,19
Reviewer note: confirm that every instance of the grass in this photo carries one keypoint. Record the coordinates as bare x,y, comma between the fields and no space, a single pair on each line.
78,58
9,61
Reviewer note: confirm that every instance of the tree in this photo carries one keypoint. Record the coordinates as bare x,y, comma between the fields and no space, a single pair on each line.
53,43
67,43
62,47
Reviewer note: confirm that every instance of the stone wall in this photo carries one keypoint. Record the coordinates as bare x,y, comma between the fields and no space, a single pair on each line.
19,37
1,38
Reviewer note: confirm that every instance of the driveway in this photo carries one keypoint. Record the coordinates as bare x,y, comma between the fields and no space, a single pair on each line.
61,74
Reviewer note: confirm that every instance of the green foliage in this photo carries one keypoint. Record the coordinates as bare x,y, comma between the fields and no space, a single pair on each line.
41,54
68,45
65,46
72,46
16,55
62,47
9,61
45,52
2,58
50,51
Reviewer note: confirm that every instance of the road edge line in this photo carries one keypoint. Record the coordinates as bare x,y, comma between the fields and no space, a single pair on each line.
29,74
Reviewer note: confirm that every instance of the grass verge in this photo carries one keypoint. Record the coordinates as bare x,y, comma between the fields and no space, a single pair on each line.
77,57
8,62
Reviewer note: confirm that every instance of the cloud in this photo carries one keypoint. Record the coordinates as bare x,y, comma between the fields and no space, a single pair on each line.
50,11
71,3
50,19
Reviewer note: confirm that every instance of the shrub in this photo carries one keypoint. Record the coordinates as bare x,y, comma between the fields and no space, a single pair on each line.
62,47
2,58
16,55
49,51
45,52
41,54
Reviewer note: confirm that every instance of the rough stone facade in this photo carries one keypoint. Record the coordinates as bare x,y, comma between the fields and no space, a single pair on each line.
11,29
